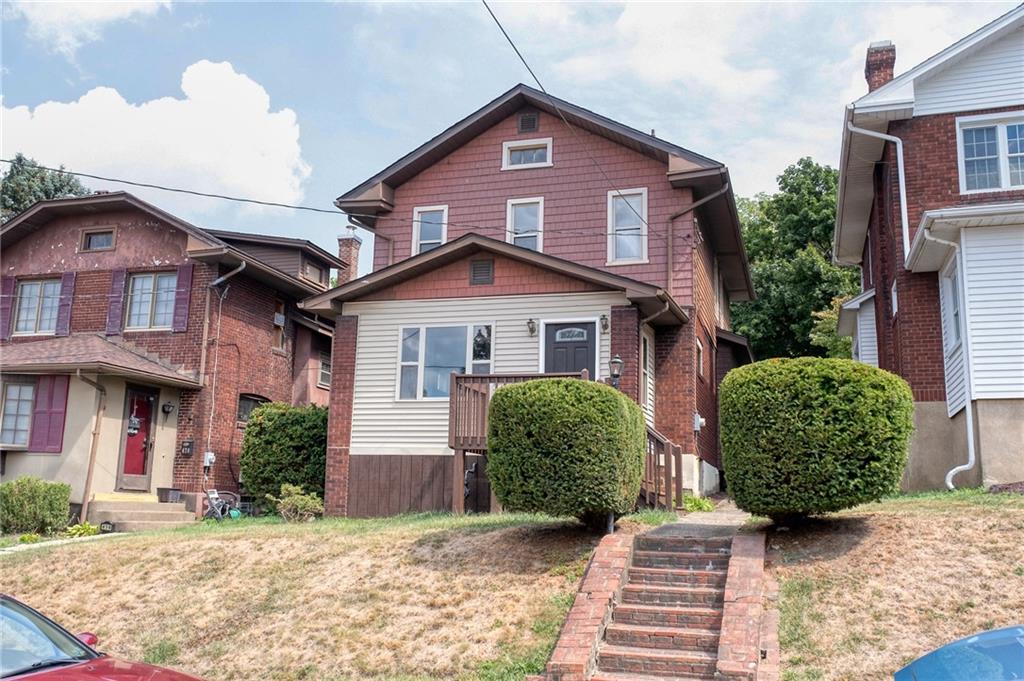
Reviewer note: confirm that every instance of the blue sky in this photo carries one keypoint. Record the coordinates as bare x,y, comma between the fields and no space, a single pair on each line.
299,102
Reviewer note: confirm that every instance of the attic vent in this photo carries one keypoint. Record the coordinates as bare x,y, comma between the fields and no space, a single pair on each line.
481,272
529,121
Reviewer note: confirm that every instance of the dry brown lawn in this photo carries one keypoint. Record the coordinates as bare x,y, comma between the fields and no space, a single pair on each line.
421,597
865,592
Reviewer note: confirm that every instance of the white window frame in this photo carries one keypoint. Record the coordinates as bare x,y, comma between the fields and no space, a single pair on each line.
510,235
596,321
320,370
16,308
893,302
612,195
152,301
421,356
646,349
416,212
953,337
31,416
507,147
699,358
999,121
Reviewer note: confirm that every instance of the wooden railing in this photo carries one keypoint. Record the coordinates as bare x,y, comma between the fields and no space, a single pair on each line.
662,486
468,399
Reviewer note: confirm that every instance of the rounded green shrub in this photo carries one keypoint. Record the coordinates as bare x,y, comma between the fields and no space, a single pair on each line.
284,445
565,447
808,436
34,506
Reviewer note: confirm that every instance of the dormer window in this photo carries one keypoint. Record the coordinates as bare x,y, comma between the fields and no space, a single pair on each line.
523,154
312,272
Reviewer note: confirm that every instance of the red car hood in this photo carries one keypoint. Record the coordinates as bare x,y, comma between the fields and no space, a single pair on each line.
107,669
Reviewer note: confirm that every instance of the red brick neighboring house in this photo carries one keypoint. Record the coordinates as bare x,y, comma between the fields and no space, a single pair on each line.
121,319
938,233
501,246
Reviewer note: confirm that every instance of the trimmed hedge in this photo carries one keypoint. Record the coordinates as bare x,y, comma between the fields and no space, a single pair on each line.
807,436
34,506
565,447
284,445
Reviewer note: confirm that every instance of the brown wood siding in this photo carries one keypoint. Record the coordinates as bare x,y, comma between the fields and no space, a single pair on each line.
287,260
388,485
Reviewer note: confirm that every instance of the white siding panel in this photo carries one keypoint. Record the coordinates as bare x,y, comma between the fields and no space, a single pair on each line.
867,340
995,309
994,77
382,424
953,366
651,383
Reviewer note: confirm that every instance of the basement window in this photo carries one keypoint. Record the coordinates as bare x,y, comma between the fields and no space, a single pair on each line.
523,154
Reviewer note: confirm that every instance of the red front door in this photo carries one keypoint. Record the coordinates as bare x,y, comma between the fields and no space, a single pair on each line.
138,439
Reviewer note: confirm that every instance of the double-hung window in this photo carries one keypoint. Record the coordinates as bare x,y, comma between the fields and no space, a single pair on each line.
523,154
429,228
952,295
991,152
525,223
151,300
627,226
430,354
17,413
324,376
37,307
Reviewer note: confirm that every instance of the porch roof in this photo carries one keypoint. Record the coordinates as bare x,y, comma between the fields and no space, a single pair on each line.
651,299
92,354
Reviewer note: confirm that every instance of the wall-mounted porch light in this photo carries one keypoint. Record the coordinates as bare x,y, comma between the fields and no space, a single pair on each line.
605,325
615,370
531,326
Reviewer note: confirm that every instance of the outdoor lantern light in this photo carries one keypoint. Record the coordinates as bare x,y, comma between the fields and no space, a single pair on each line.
167,408
615,370
531,326
604,323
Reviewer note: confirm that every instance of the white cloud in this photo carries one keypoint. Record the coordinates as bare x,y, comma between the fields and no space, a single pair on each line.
66,26
222,137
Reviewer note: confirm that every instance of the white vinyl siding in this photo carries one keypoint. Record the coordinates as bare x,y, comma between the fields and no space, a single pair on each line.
991,78
382,424
867,342
953,350
994,313
648,394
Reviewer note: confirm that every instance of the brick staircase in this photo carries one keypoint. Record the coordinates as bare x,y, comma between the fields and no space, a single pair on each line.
666,625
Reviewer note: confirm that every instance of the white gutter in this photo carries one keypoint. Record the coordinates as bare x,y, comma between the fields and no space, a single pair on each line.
969,406
904,221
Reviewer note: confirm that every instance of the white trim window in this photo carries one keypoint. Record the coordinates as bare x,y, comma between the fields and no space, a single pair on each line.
428,355
627,226
18,398
151,300
893,302
37,307
524,223
429,228
991,152
323,376
951,290
700,358
524,154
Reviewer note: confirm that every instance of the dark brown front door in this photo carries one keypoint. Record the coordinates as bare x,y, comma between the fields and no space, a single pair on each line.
137,439
570,347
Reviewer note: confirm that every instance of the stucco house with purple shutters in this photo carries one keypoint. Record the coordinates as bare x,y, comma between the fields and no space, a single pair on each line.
132,343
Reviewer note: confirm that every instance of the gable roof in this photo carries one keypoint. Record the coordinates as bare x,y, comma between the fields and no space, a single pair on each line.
203,245
652,300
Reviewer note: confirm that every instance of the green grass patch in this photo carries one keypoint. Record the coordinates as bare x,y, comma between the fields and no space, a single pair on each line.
515,662
797,619
652,517
943,500
693,504
160,652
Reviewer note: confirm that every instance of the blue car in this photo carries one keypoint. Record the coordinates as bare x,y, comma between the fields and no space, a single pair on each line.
992,656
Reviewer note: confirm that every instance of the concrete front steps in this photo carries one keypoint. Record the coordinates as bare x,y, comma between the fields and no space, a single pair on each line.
140,516
667,624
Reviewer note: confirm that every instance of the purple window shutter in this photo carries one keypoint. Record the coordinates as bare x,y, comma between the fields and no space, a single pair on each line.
7,286
115,305
48,409
182,294
67,295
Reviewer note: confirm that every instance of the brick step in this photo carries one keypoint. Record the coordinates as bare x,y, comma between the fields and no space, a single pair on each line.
670,576
689,664
625,676
665,638
147,525
97,506
119,517
680,560
672,595
696,617
684,544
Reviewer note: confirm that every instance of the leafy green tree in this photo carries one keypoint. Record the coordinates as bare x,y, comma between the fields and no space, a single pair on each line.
25,182
825,334
788,236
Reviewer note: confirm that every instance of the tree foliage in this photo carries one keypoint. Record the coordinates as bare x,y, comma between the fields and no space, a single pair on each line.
824,333
25,182
788,237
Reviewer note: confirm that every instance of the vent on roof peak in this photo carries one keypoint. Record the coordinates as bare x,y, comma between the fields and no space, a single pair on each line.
529,121
481,272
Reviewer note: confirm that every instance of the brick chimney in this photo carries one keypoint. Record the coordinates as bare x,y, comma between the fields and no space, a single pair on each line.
348,251
879,65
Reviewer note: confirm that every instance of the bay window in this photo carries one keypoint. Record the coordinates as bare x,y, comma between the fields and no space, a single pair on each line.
428,355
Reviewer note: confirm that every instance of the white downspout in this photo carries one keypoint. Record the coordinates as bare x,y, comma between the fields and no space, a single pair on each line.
904,221
969,387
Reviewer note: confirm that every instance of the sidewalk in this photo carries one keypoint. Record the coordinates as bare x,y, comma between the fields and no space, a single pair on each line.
724,521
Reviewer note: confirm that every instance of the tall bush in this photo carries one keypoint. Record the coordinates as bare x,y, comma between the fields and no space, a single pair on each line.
32,505
284,445
807,436
565,447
